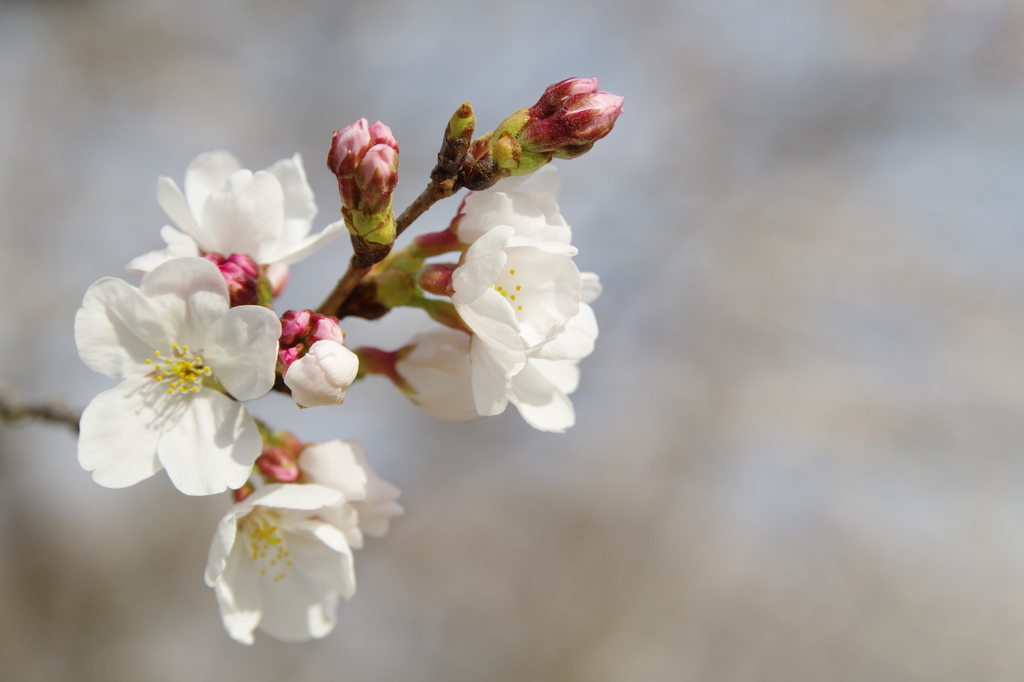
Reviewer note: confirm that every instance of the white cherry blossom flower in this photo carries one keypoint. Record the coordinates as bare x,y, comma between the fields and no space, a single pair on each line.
527,203
515,292
276,565
368,501
226,209
539,381
174,342
438,374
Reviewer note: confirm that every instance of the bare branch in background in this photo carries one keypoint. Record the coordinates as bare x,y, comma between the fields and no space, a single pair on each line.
12,409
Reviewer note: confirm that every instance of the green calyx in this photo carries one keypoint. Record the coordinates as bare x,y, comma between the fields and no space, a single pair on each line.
377,228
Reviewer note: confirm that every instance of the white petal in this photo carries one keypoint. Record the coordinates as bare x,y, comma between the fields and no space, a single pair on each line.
322,376
246,216
189,294
440,374
241,349
292,252
178,246
493,368
119,434
575,341
239,594
207,174
483,261
211,447
564,375
298,608
491,317
325,557
336,464
172,201
540,402
222,544
117,329
305,497
299,206
591,287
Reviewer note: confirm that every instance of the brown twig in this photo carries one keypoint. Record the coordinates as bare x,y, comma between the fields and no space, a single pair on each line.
12,409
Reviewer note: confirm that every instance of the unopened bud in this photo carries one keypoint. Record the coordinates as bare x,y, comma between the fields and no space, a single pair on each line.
241,274
277,465
300,329
365,160
571,113
436,278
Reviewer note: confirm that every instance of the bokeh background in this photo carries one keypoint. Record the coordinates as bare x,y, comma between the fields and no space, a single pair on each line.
798,449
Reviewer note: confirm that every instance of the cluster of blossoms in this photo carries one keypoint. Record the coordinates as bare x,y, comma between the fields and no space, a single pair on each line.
199,335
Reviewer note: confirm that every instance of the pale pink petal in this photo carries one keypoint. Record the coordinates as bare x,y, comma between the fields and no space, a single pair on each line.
299,206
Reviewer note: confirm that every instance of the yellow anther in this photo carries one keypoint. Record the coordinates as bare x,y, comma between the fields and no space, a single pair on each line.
519,307
156,352
289,563
174,345
263,571
184,348
513,297
512,271
159,378
195,389
518,287
148,361
170,390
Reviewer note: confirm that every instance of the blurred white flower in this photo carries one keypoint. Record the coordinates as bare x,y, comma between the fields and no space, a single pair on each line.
368,501
274,564
226,209
437,374
174,341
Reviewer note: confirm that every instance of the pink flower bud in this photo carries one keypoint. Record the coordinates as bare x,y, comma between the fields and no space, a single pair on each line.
365,160
436,278
555,95
573,114
287,356
324,328
294,324
278,464
379,176
241,274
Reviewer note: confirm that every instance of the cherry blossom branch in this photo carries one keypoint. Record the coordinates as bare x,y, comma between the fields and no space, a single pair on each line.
358,269
13,409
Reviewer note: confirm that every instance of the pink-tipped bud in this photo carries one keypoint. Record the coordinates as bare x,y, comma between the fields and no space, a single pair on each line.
278,464
572,113
555,95
287,356
436,278
379,171
294,324
243,492
241,274
300,329
365,160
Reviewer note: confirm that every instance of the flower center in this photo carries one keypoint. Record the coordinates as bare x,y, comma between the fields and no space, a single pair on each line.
266,546
506,286
183,371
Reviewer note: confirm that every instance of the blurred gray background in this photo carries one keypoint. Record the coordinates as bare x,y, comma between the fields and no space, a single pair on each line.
798,452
